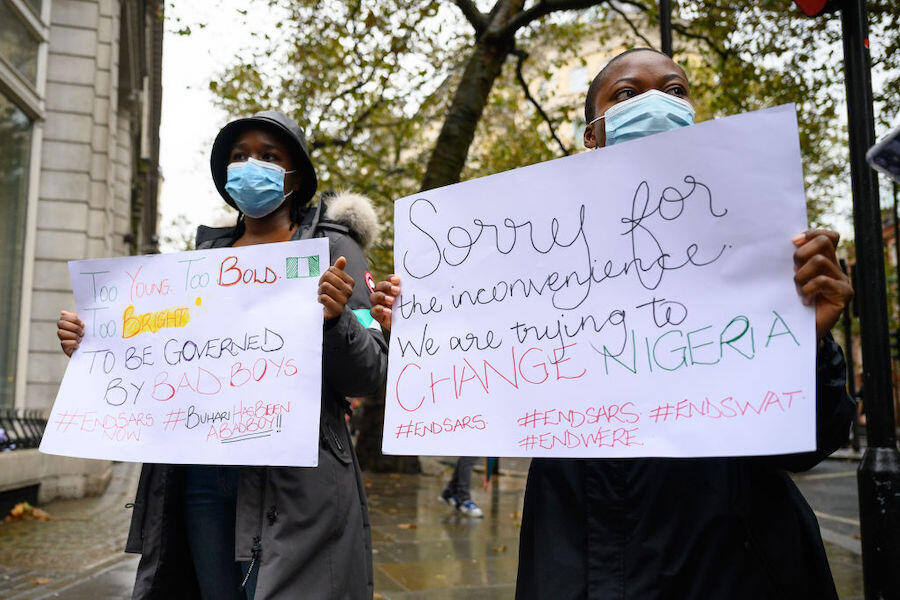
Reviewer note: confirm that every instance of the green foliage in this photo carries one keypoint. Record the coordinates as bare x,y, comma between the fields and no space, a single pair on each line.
371,81
364,79
179,235
746,55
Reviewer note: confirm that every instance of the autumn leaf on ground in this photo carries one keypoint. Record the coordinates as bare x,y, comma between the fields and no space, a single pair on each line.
24,511
40,580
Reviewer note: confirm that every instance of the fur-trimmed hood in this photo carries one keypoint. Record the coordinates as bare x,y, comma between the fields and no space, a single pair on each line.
357,213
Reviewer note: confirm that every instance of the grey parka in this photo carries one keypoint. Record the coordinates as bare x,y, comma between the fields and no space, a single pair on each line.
308,528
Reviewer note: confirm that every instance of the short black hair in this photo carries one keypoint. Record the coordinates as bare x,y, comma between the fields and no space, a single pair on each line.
589,114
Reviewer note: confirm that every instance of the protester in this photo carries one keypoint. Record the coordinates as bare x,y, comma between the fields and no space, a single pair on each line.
282,532
681,529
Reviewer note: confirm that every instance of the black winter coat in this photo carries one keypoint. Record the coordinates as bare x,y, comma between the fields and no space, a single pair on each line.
682,529
308,527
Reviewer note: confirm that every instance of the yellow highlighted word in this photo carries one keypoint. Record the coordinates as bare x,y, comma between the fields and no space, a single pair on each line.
133,324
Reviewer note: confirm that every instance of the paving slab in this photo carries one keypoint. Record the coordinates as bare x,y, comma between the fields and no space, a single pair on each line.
39,558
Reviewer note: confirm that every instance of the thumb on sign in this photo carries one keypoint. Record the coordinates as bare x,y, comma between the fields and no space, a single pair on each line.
335,288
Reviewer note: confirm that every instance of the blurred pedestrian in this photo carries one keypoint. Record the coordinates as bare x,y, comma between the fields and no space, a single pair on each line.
458,493
225,532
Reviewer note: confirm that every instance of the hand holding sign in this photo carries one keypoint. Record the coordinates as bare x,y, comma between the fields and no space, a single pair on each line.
383,298
335,288
70,331
819,278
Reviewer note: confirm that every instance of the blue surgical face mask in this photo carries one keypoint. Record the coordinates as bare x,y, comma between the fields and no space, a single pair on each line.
645,114
257,187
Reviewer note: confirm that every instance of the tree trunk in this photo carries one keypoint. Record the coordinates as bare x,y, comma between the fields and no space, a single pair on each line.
482,69
444,167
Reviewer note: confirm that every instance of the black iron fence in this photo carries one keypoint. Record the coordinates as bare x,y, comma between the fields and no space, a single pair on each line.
20,428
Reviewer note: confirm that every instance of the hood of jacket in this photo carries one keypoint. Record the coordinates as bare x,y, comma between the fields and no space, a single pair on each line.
269,120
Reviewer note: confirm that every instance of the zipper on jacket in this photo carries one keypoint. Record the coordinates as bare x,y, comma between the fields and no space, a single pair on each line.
336,439
256,549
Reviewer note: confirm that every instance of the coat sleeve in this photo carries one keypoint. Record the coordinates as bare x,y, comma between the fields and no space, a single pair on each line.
835,410
354,351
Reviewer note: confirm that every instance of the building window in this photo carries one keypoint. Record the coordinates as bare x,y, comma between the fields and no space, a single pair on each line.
15,150
17,45
578,79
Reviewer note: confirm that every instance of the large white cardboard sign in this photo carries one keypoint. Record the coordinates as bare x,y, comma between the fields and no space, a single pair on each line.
632,301
205,357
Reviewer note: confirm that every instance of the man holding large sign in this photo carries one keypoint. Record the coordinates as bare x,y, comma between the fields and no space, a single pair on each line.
641,301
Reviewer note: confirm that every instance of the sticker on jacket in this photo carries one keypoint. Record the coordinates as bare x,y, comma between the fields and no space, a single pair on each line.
365,317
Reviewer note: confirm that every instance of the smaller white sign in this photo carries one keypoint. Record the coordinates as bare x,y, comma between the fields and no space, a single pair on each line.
205,357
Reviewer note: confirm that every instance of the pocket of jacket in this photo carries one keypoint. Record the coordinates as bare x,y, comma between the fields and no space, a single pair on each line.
339,447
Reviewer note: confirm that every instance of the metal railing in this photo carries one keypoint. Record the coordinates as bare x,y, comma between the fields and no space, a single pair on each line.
20,428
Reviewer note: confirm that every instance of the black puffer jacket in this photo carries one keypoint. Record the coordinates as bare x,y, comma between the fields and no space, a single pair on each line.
682,529
311,524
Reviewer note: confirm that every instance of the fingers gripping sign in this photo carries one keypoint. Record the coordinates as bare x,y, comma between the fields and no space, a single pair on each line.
819,278
70,331
335,288
383,298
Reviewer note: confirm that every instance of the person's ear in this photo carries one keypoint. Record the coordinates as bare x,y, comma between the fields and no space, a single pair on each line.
590,140
292,181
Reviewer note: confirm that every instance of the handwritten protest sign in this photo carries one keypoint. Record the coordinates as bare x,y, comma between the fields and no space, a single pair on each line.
206,357
632,301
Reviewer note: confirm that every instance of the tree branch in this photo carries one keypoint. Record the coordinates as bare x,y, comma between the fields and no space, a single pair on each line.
475,17
681,29
321,142
522,55
542,9
631,24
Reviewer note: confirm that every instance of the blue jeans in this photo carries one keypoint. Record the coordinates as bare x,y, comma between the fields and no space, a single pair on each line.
210,503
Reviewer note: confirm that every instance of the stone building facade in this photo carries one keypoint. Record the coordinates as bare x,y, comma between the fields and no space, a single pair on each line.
80,96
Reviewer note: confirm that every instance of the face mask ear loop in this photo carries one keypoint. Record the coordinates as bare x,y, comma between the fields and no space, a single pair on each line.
591,123
288,173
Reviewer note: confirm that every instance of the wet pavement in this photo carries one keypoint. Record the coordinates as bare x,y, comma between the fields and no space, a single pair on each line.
831,491
422,549
39,558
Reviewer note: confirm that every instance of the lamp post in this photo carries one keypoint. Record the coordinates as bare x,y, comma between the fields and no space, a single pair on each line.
878,476
665,26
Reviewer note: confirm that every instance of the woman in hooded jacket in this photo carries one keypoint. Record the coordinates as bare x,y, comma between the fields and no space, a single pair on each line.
222,532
